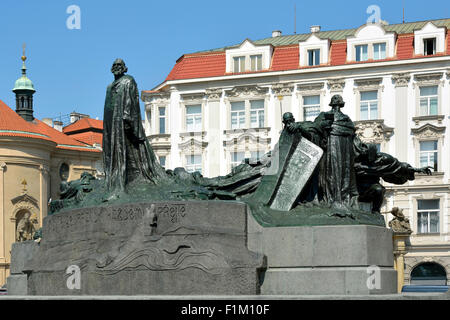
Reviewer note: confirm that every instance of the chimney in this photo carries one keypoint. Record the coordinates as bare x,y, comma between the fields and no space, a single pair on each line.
48,121
315,29
276,33
58,125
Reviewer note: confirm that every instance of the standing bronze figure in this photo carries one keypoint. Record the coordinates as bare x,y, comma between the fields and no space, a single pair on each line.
127,154
337,181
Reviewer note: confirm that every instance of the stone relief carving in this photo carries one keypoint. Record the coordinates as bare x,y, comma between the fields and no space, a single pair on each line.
401,79
213,94
373,131
282,89
336,85
246,91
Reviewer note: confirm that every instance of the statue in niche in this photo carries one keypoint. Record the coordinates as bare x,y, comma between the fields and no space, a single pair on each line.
25,228
127,154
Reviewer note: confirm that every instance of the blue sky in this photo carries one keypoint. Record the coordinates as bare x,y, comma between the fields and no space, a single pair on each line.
70,68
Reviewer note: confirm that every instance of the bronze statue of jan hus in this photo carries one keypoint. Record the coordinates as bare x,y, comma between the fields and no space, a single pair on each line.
127,155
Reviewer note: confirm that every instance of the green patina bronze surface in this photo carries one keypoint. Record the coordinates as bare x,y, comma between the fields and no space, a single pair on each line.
311,182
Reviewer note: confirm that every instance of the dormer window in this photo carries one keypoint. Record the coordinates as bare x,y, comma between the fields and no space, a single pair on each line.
314,57
371,42
429,40
239,64
256,62
314,51
248,57
379,51
429,46
361,53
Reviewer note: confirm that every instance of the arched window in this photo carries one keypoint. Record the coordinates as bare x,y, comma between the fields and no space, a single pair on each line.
429,273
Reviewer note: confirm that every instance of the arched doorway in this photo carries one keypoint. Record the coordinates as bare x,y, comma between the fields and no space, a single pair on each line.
429,274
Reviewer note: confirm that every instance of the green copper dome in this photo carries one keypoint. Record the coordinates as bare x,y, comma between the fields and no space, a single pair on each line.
23,83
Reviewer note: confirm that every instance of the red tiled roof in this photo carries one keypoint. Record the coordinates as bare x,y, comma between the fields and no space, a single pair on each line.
448,42
13,125
198,66
83,124
89,137
285,58
405,46
338,54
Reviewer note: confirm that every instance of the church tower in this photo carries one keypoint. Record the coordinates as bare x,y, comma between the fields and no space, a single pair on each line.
24,91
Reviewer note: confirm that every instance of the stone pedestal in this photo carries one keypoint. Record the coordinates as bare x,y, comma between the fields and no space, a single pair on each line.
21,253
160,248
321,260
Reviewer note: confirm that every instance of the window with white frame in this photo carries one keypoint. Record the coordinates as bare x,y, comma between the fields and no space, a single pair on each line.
311,107
369,105
429,154
162,120
379,51
428,100
194,118
239,64
256,62
314,57
257,113
236,158
427,216
429,46
238,115
194,163
361,52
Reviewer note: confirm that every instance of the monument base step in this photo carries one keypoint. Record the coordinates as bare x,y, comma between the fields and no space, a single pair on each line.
329,281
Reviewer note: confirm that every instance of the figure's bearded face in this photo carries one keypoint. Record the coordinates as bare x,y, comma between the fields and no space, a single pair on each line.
118,69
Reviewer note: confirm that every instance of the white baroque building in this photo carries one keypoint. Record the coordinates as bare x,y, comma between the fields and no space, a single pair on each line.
219,106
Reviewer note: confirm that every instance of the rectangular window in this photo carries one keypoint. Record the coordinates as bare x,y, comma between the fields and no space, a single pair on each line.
257,113
236,158
162,161
314,57
428,100
429,46
238,115
162,120
194,163
361,53
256,62
239,64
369,105
379,51
194,118
311,107
428,216
429,154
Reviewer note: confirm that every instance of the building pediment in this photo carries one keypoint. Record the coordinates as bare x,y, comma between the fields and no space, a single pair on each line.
25,198
428,131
